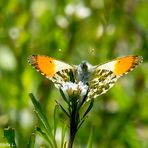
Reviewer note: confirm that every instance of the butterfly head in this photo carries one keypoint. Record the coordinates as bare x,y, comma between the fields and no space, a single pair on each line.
85,66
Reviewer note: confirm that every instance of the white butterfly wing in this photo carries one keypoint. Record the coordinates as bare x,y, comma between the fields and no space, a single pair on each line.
105,76
55,70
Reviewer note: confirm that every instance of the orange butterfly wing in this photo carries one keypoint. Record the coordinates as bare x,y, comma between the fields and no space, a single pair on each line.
47,65
105,76
122,65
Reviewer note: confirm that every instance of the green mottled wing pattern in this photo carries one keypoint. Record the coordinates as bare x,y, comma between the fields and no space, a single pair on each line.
100,82
65,75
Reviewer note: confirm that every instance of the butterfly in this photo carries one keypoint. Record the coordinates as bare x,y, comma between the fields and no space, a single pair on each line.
98,78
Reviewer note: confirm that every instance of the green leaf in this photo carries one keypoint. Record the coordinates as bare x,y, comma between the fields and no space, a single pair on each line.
43,119
63,135
62,108
44,136
86,112
89,108
55,121
31,141
90,140
63,95
83,100
9,134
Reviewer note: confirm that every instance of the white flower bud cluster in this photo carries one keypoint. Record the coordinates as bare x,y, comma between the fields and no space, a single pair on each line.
74,89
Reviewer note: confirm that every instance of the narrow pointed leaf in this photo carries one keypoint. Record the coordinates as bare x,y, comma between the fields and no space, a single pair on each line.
62,109
90,140
31,141
88,109
63,96
81,122
63,135
42,118
55,120
44,136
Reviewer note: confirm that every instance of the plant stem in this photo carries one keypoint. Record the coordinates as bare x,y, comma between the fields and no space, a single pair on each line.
74,117
72,134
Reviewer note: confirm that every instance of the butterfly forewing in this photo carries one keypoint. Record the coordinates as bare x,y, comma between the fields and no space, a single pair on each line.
105,76
123,65
54,70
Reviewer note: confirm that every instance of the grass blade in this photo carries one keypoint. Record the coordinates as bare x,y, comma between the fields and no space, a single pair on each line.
43,119
63,135
31,141
55,121
44,136
90,140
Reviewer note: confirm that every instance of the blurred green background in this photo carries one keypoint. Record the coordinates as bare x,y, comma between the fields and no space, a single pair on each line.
72,31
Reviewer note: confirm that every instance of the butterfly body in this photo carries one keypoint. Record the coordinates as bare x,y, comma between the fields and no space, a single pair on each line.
84,70
99,78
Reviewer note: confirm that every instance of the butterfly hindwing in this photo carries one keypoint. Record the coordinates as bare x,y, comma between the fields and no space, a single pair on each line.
65,75
101,80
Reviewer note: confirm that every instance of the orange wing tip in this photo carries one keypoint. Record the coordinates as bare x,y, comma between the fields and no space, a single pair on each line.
126,64
44,64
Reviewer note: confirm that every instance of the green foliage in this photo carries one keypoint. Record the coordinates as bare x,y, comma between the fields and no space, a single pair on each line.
106,30
31,143
46,127
90,140
7,138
